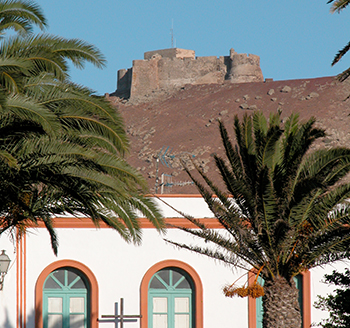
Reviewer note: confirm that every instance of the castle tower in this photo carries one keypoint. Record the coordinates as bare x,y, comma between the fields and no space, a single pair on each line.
244,68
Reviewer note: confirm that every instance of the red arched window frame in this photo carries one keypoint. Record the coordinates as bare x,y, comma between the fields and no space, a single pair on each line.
166,264
72,264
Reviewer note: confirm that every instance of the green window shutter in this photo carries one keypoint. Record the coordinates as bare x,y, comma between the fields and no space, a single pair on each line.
170,300
299,284
259,307
259,303
65,300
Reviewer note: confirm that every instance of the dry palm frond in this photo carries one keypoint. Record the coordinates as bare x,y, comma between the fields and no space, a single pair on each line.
233,291
255,290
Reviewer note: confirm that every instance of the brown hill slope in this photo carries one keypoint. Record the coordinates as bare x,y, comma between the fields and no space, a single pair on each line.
183,125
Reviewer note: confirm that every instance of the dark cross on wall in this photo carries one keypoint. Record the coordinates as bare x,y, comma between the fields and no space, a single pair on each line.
119,317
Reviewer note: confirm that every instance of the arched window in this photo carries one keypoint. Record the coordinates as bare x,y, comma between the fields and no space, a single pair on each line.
171,296
66,296
66,299
170,299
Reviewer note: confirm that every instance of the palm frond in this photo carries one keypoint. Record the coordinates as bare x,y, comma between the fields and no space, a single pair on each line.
7,158
25,109
344,75
338,5
340,54
21,15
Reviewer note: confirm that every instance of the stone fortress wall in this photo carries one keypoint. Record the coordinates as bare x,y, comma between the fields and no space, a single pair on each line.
170,69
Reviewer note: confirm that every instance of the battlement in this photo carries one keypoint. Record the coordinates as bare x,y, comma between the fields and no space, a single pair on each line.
170,53
170,69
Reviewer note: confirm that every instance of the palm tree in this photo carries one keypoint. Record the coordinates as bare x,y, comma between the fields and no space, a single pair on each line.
67,148
284,208
338,6
62,147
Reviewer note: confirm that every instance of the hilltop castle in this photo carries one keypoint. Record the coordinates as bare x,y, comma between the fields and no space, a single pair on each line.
170,69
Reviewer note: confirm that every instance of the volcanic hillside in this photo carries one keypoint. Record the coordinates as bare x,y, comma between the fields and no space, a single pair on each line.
183,125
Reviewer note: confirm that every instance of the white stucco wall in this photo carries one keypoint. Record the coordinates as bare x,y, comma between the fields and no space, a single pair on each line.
193,206
8,293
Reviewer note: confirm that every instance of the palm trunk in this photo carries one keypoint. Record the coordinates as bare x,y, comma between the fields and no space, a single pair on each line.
281,305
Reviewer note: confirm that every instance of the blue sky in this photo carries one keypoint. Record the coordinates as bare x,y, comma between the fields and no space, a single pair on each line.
294,39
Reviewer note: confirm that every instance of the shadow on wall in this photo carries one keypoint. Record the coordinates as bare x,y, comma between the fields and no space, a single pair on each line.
30,320
29,324
7,321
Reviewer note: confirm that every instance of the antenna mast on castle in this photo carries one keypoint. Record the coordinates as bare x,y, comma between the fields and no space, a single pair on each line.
172,33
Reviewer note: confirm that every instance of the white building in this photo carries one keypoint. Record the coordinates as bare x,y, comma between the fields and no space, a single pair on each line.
95,268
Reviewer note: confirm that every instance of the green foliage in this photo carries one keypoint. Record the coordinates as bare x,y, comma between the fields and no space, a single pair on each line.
336,304
283,207
61,147
20,16
338,6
